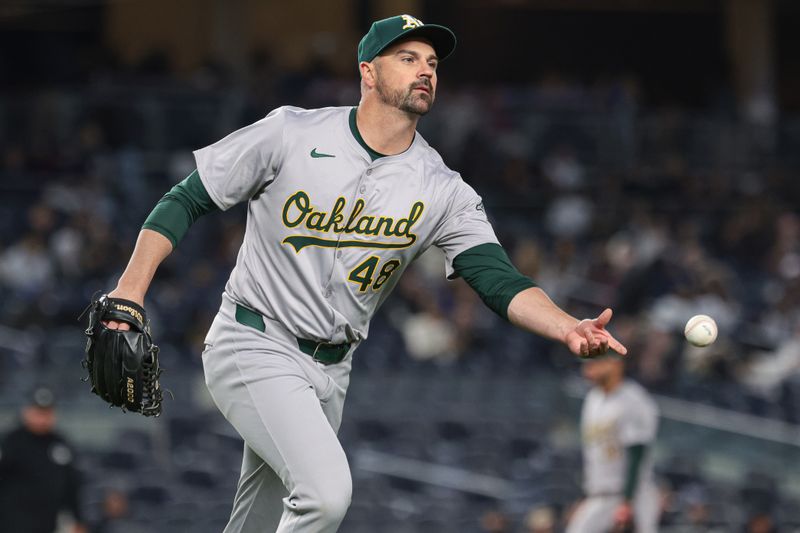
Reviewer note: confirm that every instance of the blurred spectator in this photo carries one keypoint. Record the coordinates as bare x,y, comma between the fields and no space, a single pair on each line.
697,512
38,476
115,515
766,371
495,522
26,266
540,520
563,169
761,523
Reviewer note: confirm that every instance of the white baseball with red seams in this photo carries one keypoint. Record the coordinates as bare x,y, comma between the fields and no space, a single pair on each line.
700,330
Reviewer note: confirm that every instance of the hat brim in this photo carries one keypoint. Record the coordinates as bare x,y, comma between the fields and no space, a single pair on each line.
442,39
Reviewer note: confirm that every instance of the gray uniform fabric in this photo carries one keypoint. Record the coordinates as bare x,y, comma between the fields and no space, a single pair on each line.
319,208
287,407
329,232
610,422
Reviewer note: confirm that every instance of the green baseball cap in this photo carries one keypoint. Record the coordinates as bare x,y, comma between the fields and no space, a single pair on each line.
385,32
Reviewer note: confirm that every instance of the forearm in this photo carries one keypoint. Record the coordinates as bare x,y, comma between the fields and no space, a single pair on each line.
161,233
534,311
511,295
151,249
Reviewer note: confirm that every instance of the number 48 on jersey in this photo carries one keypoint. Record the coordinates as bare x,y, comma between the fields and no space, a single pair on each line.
363,274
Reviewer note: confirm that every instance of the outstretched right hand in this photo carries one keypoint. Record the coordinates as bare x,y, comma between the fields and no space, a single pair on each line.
590,338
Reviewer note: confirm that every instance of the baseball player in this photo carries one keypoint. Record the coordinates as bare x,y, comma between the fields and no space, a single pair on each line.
340,201
618,425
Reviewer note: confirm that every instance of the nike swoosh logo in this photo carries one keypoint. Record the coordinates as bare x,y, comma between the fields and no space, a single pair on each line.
314,153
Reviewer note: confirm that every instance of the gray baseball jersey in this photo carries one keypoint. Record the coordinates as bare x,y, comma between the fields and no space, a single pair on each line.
610,423
329,231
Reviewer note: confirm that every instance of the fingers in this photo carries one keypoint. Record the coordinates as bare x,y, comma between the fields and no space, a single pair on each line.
603,319
597,344
113,324
590,338
617,346
584,348
583,342
600,349
608,340
577,345
602,346
591,344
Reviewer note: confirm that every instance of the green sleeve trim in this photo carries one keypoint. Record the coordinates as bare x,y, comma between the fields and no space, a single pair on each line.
635,456
180,208
488,270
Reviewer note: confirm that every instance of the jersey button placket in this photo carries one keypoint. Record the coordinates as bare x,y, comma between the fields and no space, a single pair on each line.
363,187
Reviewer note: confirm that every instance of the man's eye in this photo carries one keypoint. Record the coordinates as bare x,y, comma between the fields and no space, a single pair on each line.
408,59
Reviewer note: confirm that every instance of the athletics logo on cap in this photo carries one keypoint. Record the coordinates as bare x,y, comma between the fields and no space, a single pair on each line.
411,22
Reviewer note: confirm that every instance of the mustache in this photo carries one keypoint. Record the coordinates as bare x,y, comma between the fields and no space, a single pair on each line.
426,84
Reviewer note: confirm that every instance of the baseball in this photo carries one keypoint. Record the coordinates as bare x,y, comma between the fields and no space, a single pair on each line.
700,330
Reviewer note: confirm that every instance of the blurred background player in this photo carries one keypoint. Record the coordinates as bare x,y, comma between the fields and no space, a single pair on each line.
619,421
38,478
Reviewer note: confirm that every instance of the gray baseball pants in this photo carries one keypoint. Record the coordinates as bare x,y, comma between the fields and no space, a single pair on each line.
287,407
595,514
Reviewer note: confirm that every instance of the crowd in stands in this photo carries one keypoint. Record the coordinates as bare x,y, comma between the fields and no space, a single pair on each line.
660,214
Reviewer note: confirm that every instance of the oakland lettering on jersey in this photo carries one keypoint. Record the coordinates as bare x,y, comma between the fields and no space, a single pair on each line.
298,211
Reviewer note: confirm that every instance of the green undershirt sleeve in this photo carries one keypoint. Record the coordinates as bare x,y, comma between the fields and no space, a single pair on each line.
180,208
488,270
635,456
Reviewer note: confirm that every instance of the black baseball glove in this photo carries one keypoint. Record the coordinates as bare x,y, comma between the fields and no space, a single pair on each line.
123,365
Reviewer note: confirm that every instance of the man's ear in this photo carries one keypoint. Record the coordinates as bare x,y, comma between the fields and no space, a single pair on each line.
367,72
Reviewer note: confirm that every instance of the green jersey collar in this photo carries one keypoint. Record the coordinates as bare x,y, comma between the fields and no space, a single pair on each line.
354,130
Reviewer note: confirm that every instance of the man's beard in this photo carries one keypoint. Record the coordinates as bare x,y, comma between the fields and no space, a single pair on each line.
407,101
